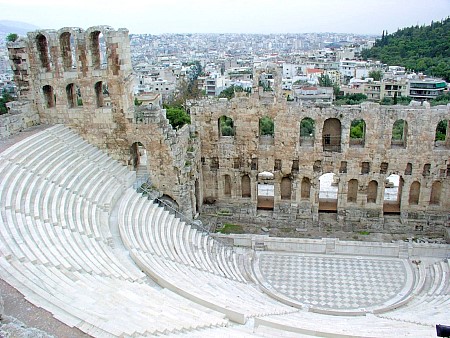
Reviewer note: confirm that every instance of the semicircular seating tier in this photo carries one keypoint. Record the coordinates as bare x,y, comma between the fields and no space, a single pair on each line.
190,262
55,243
59,196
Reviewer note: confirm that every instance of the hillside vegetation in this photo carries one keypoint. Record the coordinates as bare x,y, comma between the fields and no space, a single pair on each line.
422,49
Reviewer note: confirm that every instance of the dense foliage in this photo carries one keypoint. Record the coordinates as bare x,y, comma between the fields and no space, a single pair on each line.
266,126
226,126
350,99
357,129
398,130
12,37
443,99
230,91
307,127
422,49
4,98
441,130
177,116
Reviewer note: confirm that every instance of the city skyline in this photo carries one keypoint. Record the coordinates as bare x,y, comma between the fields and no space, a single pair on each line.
263,16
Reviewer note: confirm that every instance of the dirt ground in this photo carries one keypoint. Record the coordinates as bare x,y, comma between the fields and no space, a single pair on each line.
16,307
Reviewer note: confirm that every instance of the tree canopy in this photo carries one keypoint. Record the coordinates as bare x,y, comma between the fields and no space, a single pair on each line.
177,116
266,126
11,37
422,49
230,91
4,98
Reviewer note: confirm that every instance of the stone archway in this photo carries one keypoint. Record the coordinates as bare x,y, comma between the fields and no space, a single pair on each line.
265,191
328,192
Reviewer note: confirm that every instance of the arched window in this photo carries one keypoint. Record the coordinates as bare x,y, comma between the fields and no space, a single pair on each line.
305,188
79,99
399,134
408,170
226,126
307,130
414,193
331,135
67,51
436,189
357,133
352,191
440,138
138,158
286,188
245,186
42,48
227,186
49,97
97,46
71,95
99,94
372,192
393,187
328,192
266,126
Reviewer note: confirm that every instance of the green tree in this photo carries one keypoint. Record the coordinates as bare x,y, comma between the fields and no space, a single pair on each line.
350,99
307,127
12,37
424,49
266,126
4,99
441,130
357,129
442,99
397,130
376,75
177,116
325,81
137,102
229,92
226,126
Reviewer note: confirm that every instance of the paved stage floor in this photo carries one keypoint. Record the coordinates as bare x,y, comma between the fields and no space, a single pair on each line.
335,282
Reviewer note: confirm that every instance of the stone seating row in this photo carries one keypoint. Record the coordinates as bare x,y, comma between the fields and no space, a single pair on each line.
150,228
313,324
19,233
430,303
122,309
238,300
53,251
29,196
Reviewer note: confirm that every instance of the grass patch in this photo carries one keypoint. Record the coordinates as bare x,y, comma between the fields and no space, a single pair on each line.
228,228
365,233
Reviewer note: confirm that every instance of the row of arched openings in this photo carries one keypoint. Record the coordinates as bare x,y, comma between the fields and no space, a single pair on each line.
328,189
73,95
331,133
96,45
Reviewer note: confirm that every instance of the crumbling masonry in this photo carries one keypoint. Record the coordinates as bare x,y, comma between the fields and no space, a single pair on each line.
84,80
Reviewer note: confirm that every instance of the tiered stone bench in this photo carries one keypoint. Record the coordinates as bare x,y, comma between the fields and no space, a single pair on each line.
56,195
313,324
189,262
430,301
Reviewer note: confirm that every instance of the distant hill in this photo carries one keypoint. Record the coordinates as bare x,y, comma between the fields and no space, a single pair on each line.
21,28
422,49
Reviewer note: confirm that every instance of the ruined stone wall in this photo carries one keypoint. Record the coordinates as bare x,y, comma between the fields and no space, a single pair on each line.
293,159
20,116
83,79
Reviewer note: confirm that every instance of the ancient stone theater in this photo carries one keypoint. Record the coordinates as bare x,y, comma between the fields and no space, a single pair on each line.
82,239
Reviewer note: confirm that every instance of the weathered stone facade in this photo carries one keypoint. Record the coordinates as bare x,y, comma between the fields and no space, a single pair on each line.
297,162
83,79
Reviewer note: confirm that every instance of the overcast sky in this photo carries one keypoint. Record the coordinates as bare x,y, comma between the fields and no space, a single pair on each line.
229,16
